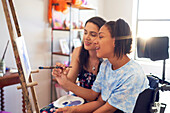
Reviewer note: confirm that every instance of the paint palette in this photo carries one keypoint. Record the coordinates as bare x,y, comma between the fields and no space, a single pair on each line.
68,100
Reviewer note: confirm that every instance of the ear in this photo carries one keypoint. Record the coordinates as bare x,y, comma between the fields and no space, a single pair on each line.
113,41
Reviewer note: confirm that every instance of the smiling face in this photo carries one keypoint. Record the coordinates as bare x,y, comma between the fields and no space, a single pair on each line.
90,34
105,43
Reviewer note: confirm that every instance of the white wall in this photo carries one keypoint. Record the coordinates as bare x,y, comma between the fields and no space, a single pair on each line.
126,9
114,9
156,68
99,5
32,16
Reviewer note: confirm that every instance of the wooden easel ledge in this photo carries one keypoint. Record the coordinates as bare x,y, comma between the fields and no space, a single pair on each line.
35,71
31,84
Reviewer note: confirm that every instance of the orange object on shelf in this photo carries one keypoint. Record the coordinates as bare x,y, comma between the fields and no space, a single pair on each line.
50,11
57,6
60,5
77,2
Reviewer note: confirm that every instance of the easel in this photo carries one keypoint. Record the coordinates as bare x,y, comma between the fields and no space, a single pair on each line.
24,85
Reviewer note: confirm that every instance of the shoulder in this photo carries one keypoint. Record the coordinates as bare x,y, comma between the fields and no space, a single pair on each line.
104,65
77,50
135,74
136,68
105,62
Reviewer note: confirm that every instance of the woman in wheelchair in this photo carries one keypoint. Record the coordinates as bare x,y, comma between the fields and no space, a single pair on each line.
120,79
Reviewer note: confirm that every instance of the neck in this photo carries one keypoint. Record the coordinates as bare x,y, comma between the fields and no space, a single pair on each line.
93,55
117,63
93,62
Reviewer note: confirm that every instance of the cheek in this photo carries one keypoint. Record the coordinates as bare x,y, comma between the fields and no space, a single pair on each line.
106,49
83,37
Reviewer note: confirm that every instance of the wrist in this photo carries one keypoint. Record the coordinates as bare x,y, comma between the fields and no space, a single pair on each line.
67,85
75,109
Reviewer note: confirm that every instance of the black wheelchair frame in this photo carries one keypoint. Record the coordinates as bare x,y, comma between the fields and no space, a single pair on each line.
148,100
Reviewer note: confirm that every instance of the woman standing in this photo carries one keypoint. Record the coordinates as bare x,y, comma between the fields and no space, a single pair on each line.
85,63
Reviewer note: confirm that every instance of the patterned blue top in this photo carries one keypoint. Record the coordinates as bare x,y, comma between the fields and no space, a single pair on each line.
121,87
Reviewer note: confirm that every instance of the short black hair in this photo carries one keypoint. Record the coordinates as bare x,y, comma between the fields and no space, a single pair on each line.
120,30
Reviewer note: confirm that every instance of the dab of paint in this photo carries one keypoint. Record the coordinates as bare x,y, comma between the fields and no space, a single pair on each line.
65,103
73,103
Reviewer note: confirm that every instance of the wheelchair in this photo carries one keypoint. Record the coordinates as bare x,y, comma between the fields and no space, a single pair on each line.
148,100
156,48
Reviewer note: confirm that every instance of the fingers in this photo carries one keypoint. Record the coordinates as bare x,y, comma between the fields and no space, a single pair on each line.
60,110
66,71
59,71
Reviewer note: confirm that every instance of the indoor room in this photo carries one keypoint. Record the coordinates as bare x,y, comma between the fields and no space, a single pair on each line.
47,44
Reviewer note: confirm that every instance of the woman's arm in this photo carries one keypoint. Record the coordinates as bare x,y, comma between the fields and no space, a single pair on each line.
85,108
85,93
106,108
71,73
67,79
74,71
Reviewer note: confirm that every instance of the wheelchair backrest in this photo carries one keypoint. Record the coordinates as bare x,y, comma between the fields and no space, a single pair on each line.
145,99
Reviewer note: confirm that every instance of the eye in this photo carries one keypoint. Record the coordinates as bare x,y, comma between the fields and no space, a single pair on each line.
85,32
93,34
100,36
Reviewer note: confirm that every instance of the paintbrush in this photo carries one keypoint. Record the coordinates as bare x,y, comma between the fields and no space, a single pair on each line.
53,67
5,51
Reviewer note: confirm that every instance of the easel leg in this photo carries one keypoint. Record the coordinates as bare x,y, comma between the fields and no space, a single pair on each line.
34,96
16,53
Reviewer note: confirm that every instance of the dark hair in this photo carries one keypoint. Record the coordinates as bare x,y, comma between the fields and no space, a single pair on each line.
120,30
111,26
84,54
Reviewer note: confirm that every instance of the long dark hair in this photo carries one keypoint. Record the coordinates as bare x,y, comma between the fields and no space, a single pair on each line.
84,54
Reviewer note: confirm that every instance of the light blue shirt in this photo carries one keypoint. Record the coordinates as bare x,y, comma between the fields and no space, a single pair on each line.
121,87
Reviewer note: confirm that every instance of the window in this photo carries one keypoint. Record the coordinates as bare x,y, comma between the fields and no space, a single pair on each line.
153,19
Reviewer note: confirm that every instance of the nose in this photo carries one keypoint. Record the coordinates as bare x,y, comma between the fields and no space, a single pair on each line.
96,41
87,37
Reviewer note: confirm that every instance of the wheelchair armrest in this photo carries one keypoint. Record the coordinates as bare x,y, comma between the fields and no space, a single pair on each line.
165,88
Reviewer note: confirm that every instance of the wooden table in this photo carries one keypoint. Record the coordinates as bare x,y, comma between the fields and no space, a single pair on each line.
7,80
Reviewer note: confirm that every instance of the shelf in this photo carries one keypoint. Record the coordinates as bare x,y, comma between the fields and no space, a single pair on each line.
61,29
60,53
83,7
77,29
70,31
67,29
